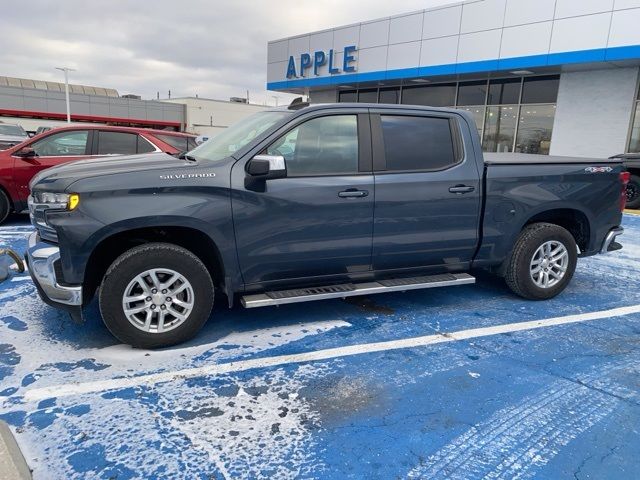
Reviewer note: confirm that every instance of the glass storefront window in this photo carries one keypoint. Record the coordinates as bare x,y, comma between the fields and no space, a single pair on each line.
472,93
500,128
534,129
504,91
351,96
433,95
389,95
540,89
368,96
634,143
477,112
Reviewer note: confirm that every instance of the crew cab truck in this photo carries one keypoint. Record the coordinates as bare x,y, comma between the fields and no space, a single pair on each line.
307,203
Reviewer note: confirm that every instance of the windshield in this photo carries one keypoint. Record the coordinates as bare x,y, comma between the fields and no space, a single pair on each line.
15,130
237,136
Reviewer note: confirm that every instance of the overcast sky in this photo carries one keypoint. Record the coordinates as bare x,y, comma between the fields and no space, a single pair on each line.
215,49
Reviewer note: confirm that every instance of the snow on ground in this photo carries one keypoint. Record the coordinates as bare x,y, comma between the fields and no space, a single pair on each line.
543,403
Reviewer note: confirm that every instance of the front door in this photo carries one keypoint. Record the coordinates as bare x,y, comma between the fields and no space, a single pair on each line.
52,150
428,192
318,221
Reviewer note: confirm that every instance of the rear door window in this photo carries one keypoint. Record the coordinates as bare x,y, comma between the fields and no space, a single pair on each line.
414,143
117,143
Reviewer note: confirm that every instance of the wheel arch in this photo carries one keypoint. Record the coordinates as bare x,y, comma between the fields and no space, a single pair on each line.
190,238
575,221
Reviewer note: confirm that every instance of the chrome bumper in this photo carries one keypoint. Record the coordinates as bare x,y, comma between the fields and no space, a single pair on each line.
40,257
610,238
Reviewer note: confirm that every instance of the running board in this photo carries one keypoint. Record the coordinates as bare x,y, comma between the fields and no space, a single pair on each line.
350,289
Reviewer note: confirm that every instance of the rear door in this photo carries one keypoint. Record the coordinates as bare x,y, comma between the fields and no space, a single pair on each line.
52,150
317,222
427,206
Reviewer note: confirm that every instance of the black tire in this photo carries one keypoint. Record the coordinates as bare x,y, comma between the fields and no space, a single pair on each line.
518,272
633,192
5,206
140,259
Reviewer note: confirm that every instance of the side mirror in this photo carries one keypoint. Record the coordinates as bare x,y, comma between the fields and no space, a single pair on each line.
262,168
26,152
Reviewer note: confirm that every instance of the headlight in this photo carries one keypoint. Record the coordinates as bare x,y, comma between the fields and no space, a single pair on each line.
63,201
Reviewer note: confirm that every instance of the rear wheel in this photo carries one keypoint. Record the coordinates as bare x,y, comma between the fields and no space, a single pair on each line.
156,295
633,192
542,262
5,206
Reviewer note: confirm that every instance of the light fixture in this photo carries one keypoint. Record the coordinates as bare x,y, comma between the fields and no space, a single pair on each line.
522,72
420,80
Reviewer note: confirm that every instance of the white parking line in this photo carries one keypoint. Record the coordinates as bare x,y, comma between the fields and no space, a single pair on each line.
37,394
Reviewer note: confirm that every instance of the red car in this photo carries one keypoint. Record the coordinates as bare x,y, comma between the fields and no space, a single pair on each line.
65,144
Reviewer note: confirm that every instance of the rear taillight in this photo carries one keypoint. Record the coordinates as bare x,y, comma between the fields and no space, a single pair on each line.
624,179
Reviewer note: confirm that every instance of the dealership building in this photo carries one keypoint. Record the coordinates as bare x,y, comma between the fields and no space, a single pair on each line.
556,77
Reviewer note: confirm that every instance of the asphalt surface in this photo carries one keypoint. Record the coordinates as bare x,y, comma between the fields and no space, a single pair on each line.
444,383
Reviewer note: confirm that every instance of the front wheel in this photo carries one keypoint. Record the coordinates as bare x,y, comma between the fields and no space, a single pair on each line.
156,295
542,262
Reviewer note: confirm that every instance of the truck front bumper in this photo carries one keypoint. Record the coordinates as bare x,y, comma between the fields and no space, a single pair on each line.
41,258
609,243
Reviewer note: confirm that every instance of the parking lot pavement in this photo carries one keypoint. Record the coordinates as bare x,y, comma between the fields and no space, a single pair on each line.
445,383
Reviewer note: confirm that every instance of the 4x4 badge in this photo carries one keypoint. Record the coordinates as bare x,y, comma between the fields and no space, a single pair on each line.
598,169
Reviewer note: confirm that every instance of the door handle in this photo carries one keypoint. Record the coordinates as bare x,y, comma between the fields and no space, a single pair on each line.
353,193
460,189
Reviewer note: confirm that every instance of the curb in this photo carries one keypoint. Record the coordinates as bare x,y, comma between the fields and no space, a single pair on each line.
12,464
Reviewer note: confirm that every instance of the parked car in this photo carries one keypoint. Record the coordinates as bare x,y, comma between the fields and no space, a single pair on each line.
632,163
19,164
11,135
308,203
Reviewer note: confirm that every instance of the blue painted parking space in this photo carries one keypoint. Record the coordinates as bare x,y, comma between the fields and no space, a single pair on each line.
443,383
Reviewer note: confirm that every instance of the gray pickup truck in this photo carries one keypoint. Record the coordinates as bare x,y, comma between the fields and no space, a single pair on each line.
307,203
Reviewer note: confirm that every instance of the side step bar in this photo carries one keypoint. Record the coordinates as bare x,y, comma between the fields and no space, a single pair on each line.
350,290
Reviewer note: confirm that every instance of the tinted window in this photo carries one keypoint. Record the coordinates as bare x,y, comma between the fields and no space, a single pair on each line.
368,96
179,143
433,95
417,143
144,146
321,146
348,97
62,144
472,93
389,95
540,90
191,143
117,143
504,91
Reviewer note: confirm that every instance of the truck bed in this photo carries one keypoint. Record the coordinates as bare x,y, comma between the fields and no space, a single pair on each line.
528,159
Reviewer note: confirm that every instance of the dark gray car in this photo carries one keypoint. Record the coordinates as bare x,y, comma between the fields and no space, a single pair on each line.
308,203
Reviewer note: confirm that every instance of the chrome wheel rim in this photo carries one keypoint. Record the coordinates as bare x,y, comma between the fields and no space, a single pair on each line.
549,264
158,300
